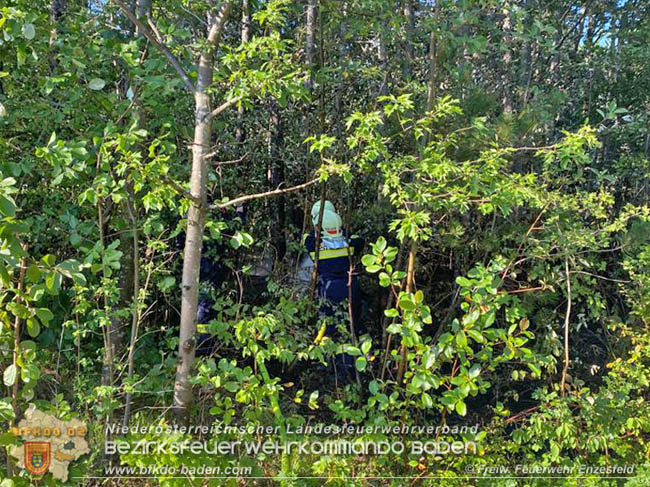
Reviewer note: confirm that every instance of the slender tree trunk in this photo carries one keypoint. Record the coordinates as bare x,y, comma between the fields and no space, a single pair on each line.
276,179
57,11
196,220
580,30
507,58
431,87
433,57
143,9
586,104
410,287
567,323
310,39
16,354
525,60
135,312
193,244
340,89
383,63
240,132
107,366
129,245
407,11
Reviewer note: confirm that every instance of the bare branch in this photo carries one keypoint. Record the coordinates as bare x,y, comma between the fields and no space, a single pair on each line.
217,27
274,192
225,163
146,31
187,10
599,277
224,106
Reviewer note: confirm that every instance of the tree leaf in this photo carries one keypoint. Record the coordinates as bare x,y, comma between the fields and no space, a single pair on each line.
9,375
461,408
29,32
6,414
406,302
361,363
44,314
96,84
427,402
33,328
474,371
7,206
354,351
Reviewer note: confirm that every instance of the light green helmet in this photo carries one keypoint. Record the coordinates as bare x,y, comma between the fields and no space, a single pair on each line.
315,210
331,225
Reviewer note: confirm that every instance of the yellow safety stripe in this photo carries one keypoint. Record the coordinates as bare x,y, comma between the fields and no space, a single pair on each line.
203,328
332,253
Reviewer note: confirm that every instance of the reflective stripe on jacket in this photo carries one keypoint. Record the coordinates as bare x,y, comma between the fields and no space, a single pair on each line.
332,253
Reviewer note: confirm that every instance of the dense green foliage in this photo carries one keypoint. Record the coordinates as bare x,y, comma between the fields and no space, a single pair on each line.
494,156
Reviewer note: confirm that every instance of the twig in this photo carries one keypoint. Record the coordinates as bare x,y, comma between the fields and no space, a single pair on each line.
146,31
566,325
520,414
525,290
599,277
225,163
523,241
193,15
274,192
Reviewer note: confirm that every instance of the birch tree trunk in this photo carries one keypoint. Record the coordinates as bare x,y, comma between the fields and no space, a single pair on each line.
196,219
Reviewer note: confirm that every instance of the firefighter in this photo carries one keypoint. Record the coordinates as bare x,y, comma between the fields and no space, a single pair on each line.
334,258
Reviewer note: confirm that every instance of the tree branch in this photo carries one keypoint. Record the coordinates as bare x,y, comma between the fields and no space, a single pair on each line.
217,27
146,31
225,163
224,106
274,192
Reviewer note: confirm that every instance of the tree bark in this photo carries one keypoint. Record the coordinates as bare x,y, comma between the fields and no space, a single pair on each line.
240,131
407,11
108,357
507,58
310,39
143,10
16,354
526,57
410,287
135,313
276,179
383,63
57,10
196,219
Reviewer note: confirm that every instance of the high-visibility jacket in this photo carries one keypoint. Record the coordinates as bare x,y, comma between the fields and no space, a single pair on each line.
333,256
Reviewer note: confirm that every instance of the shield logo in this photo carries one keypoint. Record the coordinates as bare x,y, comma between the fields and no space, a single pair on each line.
37,456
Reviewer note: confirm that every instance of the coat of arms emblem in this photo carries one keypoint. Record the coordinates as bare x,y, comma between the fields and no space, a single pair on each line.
37,457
